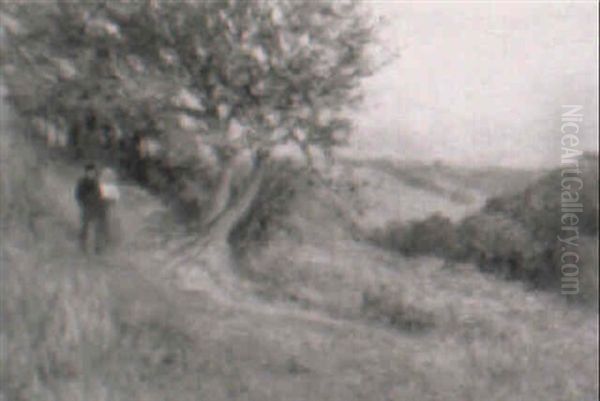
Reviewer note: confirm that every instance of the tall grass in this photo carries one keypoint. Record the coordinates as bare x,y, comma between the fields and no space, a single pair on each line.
66,331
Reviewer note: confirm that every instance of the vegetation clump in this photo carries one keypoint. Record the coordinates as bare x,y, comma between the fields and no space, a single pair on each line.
517,236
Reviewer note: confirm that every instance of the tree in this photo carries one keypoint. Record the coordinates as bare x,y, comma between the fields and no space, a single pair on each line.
228,78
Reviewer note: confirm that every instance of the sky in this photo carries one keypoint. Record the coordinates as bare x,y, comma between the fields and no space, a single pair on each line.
480,83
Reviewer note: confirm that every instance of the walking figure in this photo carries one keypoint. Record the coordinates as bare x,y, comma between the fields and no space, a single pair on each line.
110,194
91,205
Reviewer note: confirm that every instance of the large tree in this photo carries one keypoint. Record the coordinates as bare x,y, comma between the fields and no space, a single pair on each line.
218,78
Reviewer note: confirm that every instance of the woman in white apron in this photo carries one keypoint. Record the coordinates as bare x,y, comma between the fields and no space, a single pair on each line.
110,195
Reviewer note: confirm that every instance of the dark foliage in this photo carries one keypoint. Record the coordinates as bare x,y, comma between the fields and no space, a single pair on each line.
515,236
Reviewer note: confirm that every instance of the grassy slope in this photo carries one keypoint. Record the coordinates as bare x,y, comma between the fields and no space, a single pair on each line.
450,332
74,327
321,317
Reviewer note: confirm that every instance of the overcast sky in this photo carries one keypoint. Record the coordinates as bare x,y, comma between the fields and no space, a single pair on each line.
481,83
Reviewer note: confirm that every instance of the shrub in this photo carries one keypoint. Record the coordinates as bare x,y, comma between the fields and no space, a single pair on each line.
391,236
434,235
497,244
514,236
389,307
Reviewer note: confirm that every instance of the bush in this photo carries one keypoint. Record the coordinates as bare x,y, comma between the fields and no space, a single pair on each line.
514,236
391,236
497,244
434,235
389,307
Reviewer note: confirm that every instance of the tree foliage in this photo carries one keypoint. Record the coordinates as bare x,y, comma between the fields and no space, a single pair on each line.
210,82
228,74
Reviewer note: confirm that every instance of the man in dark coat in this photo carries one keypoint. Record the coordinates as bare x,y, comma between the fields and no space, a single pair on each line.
91,205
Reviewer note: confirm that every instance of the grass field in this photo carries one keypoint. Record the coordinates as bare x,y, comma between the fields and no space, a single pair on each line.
317,316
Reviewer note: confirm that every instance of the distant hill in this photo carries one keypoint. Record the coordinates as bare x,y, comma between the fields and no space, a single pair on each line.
517,233
401,191
451,180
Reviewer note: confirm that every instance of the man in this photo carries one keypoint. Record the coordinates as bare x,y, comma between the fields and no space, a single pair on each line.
91,205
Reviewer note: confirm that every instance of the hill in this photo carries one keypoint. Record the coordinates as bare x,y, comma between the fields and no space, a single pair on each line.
401,191
311,314
445,179
522,234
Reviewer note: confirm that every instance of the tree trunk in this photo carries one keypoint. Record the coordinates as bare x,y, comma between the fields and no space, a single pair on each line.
221,227
211,256
225,214
222,195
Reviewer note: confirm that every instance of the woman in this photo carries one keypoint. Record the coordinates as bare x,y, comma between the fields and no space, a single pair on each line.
110,196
